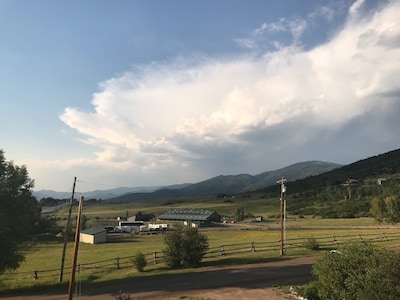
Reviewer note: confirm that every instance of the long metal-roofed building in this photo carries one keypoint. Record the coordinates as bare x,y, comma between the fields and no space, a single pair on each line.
191,215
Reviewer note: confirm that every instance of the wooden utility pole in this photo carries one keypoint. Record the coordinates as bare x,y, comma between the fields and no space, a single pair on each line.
71,202
76,247
283,217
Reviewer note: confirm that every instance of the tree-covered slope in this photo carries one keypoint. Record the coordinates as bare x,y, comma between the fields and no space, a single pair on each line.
233,184
346,191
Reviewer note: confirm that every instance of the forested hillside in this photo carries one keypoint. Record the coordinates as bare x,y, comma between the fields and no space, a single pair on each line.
233,184
347,191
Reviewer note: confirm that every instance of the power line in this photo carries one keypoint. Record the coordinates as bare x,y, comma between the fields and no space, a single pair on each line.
98,184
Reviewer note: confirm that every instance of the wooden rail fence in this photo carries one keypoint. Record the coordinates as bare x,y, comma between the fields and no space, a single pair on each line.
327,242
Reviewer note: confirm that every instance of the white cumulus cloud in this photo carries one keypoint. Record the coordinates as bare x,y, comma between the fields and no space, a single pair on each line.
231,115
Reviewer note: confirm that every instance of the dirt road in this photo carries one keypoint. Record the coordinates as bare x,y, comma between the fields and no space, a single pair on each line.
255,281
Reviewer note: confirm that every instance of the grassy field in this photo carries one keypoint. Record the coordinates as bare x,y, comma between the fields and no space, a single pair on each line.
45,254
256,205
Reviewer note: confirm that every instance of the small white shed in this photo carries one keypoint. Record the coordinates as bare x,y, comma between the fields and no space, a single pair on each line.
93,236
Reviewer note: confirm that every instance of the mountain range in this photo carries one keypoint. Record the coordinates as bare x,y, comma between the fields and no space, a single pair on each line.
223,184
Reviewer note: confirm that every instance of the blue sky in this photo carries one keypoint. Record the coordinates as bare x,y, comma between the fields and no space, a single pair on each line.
147,93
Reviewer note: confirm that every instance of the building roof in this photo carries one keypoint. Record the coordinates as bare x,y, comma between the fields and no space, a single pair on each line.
190,215
142,217
94,231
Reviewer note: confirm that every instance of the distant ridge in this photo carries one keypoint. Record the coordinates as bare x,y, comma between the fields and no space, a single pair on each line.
96,194
345,192
223,184
301,176
378,165
234,184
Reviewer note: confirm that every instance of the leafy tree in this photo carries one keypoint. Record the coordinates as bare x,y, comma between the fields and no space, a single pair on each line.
19,212
239,215
378,209
392,204
185,246
386,209
357,271
48,201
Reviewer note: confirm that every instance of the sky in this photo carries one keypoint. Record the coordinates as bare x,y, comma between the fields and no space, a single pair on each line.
152,93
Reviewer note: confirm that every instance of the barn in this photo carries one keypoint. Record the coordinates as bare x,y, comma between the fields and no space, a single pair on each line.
141,217
202,217
93,236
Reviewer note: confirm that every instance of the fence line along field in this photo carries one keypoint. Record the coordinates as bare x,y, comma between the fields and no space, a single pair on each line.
229,244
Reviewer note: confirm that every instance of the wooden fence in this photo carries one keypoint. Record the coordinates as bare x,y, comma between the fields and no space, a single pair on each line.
328,242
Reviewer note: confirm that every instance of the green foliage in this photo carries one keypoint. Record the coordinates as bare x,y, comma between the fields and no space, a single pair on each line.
392,204
185,246
139,261
19,213
48,225
358,271
386,208
311,244
327,196
239,214
310,290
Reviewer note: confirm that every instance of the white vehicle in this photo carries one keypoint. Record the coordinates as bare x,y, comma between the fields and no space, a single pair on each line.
143,228
156,227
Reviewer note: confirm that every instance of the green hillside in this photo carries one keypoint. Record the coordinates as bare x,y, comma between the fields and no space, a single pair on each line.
233,184
346,191
313,188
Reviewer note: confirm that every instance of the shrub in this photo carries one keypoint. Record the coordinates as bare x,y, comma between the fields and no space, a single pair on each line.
310,291
139,261
185,246
311,244
358,271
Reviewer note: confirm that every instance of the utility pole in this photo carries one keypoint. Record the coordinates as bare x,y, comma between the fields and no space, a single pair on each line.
283,215
71,202
76,247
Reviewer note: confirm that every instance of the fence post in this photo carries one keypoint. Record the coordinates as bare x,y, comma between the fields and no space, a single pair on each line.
155,257
253,247
35,275
117,261
222,249
334,240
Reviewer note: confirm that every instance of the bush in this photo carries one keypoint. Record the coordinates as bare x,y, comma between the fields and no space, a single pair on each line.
310,291
185,246
139,261
358,271
311,244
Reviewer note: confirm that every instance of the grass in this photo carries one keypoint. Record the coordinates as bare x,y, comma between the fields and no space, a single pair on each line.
46,254
257,205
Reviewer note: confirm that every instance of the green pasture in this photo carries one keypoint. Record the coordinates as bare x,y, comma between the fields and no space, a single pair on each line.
256,205
101,213
46,255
